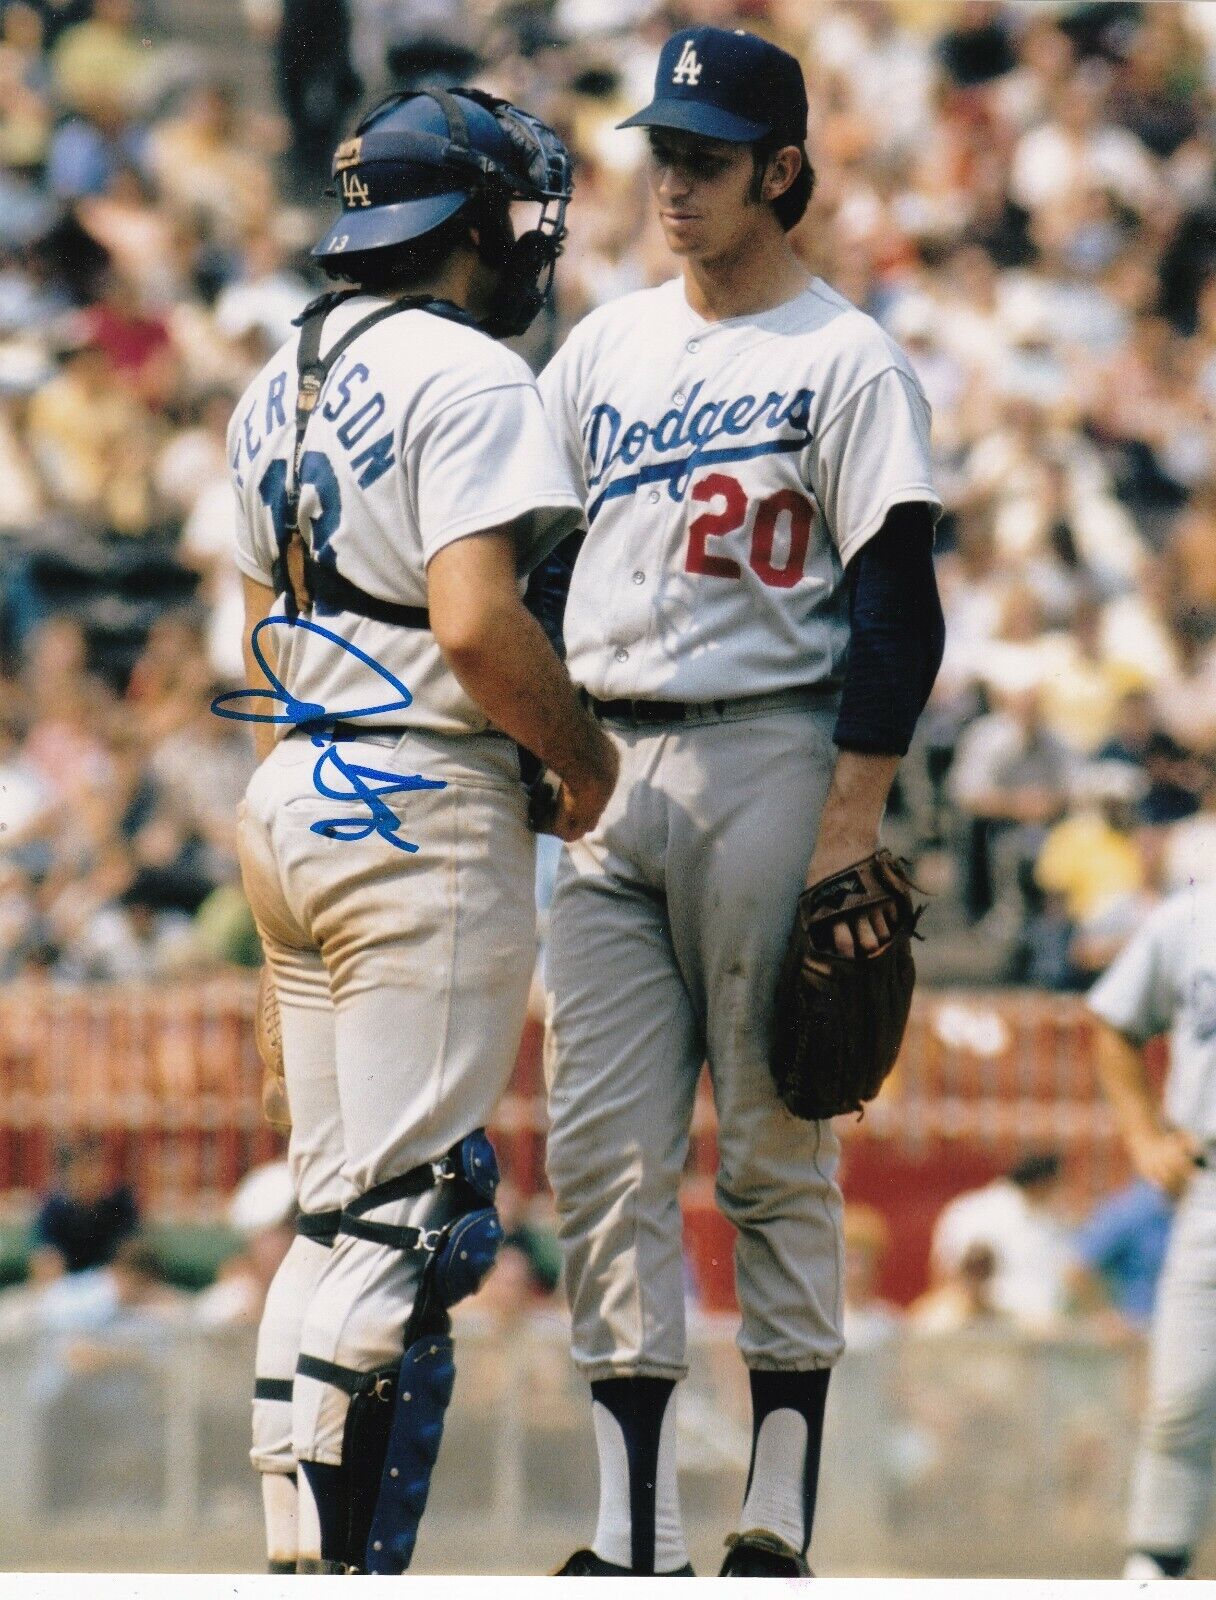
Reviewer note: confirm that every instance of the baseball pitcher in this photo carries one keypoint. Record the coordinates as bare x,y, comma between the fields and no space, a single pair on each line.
753,617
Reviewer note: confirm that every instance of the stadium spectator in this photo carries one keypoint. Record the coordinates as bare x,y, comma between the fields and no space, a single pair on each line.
83,1220
264,296
1010,781
1094,862
104,1336
92,439
1043,952
1186,701
533,1237
1075,145
1018,1218
1189,849
101,57
964,1301
1173,778
205,162
1119,1251
869,1320
317,84
979,47
263,1211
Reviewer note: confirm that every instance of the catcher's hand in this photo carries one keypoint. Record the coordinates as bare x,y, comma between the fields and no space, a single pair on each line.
838,1019
269,1040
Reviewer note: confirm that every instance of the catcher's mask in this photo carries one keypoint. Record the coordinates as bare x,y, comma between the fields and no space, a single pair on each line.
420,158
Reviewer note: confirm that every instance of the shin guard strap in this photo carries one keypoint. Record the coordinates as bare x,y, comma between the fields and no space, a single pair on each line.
345,1378
273,1389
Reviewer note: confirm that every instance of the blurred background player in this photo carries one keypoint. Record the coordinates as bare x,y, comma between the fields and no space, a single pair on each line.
1164,980
754,456
402,505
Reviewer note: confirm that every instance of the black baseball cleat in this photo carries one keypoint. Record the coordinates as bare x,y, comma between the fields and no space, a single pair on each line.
760,1554
586,1564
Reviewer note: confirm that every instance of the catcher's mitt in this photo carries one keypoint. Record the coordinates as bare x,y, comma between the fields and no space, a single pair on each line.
839,1021
269,1040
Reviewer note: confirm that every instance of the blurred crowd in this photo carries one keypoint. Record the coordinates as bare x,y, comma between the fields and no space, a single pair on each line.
1013,1258
1023,194
87,1257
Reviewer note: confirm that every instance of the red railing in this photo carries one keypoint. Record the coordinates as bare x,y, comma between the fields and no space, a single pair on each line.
170,1079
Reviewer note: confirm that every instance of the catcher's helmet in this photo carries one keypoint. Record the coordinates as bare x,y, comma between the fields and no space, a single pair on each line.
419,158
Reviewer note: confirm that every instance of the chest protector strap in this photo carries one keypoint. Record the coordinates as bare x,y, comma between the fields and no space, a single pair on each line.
298,576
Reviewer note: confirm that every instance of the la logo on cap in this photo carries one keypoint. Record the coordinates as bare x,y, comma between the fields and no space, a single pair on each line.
688,68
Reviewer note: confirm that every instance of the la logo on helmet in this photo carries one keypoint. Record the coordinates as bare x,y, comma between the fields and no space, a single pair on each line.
688,68
354,191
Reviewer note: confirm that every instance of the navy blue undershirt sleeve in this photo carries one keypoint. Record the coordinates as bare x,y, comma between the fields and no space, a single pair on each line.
548,586
897,635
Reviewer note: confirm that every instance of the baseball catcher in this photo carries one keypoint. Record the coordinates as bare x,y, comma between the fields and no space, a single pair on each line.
396,479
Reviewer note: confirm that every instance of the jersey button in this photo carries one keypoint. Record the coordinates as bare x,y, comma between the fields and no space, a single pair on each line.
679,397
692,346
639,577
621,653
654,497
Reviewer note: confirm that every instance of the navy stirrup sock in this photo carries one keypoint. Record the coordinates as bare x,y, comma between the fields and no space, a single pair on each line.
325,1485
806,1394
638,1404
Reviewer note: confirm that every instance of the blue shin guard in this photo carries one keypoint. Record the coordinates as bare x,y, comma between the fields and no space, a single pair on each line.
424,1389
395,1421
370,1506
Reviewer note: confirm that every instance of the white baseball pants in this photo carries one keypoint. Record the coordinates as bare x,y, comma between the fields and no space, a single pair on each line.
666,932
1172,1478
402,983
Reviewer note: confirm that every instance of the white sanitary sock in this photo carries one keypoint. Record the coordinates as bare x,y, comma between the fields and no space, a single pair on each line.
775,1497
1142,1567
279,1502
308,1523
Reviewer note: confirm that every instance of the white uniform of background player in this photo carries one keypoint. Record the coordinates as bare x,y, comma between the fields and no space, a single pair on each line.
402,973
731,468
1163,981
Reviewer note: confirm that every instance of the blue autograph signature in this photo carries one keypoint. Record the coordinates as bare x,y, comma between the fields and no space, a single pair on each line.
367,785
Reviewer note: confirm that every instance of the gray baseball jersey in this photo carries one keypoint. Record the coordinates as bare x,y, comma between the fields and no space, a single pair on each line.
730,471
1164,980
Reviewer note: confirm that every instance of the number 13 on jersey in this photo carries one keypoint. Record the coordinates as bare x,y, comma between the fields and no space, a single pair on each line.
780,536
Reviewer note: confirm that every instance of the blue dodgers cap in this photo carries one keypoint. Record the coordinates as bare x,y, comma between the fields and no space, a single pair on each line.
726,84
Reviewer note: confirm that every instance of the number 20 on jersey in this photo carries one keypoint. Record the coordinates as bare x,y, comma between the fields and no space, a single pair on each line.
787,507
